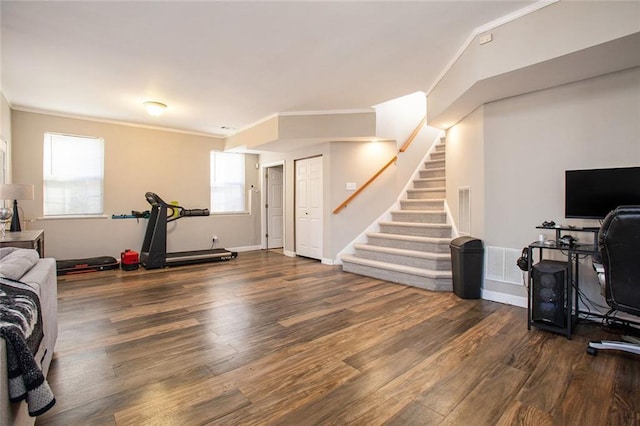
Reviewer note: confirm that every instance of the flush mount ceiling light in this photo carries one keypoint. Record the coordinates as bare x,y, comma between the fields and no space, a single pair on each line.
154,108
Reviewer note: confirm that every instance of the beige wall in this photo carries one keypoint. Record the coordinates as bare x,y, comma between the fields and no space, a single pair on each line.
564,41
327,126
261,133
5,119
288,159
357,161
291,132
137,160
342,162
529,141
5,135
567,27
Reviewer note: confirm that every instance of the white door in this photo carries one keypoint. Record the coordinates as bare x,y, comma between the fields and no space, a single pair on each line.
309,207
275,207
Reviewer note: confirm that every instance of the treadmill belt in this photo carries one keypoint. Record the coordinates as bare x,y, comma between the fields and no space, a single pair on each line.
199,256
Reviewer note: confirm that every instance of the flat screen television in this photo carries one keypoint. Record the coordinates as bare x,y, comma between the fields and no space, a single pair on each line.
591,194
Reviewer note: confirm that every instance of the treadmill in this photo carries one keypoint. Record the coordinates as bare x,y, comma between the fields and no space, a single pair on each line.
154,247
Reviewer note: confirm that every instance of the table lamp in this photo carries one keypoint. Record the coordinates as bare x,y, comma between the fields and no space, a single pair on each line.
15,192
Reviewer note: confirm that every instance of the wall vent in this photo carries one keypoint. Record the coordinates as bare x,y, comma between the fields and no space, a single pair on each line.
464,211
501,265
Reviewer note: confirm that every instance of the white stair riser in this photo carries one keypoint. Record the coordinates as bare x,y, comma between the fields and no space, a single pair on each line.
433,284
436,164
437,156
419,217
410,245
435,232
416,262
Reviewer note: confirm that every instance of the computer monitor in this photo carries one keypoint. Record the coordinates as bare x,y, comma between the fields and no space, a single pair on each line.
593,193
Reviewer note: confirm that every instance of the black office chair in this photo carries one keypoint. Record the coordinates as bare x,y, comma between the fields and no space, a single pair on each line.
619,244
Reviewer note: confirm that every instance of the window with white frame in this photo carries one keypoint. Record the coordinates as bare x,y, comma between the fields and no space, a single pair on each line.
227,182
73,174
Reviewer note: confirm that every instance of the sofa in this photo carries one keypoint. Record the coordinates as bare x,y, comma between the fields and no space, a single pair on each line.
26,266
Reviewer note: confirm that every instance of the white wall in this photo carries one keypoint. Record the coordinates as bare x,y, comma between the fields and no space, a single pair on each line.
529,142
137,160
396,120
465,168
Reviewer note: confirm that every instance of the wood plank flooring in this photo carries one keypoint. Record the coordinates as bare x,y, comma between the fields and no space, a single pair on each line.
267,339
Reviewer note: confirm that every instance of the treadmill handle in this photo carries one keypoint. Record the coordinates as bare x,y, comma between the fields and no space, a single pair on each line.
194,212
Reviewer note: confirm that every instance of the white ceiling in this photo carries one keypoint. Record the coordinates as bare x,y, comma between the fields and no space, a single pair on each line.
229,63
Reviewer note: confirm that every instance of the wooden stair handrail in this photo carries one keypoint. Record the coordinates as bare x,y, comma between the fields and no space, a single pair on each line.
413,135
404,147
359,190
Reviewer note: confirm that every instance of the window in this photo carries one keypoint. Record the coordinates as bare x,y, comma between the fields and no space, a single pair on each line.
73,175
227,182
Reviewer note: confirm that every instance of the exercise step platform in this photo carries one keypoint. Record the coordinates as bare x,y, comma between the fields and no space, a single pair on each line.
90,264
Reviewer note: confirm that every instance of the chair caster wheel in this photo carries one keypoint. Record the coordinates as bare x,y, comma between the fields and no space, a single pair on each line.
592,351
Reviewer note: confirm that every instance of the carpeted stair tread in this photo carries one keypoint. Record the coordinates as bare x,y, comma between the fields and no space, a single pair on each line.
414,238
410,201
416,224
428,273
418,212
403,252
431,179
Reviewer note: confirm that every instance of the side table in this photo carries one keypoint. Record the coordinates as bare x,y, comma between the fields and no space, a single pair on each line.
31,239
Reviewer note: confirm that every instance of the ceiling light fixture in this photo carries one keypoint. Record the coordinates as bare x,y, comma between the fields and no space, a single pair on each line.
154,108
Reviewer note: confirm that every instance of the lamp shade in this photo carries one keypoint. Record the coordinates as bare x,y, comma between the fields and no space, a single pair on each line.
16,191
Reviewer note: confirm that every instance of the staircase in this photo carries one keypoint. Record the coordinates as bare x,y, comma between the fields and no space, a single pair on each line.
413,248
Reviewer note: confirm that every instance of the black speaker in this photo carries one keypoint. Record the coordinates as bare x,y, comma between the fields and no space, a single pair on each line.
549,293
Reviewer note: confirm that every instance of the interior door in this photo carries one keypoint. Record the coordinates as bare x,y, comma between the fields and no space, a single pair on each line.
275,207
309,207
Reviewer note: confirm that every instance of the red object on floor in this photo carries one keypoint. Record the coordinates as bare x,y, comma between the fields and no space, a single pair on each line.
129,260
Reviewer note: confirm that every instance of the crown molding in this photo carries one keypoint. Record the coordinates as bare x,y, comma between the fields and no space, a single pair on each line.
326,112
116,122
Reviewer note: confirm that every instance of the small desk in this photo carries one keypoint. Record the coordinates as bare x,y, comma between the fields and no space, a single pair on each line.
572,252
32,239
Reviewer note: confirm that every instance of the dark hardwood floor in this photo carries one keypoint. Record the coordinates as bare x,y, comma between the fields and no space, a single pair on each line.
267,339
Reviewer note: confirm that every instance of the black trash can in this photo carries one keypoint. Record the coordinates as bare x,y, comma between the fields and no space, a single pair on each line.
467,256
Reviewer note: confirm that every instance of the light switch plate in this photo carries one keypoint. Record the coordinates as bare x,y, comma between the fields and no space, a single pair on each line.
350,186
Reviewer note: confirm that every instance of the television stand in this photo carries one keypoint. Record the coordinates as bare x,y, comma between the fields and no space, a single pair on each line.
559,228
563,299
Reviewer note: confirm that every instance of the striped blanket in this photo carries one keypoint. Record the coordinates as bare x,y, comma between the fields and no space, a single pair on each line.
21,328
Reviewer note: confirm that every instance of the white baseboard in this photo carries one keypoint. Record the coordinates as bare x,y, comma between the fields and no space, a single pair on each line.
245,248
508,299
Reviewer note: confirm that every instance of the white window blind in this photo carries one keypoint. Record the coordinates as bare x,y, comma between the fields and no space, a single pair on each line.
227,182
73,175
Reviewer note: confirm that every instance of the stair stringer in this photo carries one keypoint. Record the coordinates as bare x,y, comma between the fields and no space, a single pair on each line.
386,216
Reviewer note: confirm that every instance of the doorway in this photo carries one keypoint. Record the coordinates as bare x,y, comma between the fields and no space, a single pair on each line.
273,207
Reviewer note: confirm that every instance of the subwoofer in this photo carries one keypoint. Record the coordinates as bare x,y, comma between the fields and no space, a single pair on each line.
549,293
